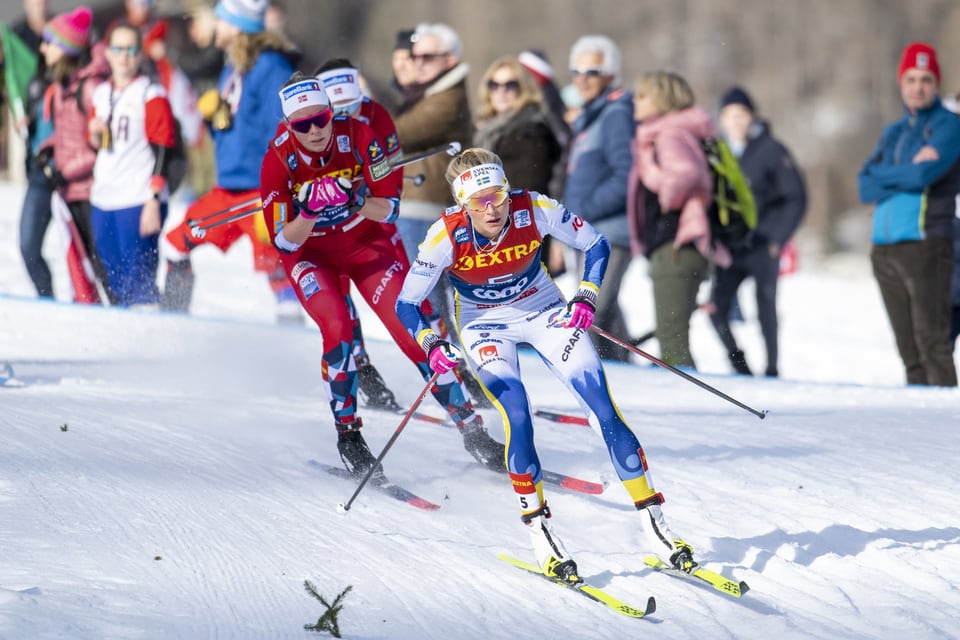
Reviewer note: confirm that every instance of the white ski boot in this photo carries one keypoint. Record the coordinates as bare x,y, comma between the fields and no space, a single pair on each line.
548,549
681,553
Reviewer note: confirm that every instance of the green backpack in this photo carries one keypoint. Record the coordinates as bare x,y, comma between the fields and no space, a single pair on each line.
733,214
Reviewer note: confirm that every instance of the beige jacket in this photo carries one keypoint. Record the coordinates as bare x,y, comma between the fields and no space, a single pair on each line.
442,116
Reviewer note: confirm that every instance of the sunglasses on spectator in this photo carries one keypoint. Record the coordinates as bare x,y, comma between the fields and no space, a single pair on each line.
479,203
590,73
132,50
427,57
509,85
320,119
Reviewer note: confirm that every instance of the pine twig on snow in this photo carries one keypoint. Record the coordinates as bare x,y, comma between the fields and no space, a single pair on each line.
328,621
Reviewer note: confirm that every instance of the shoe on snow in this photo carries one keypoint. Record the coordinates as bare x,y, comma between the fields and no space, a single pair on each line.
482,447
551,555
356,455
682,558
565,571
374,389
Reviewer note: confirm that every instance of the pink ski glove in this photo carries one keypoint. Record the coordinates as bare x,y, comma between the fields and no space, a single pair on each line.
443,356
581,315
318,194
582,307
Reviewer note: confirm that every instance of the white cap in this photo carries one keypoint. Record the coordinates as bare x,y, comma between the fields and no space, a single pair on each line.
303,94
536,65
343,88
480,177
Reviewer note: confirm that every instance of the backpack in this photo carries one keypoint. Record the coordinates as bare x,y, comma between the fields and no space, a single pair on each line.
733,213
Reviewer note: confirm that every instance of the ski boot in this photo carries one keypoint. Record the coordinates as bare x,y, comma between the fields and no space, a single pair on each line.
355,453
375,392
551,555
681,553
739,362
481,446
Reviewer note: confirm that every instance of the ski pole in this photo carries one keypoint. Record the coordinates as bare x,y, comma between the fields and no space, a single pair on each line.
451,149
344,507
703,385
216,214
199,225
197,230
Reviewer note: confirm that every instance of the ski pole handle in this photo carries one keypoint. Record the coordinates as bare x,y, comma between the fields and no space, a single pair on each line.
451,149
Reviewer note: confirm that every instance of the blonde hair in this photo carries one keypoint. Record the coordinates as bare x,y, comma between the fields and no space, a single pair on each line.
529,89
243,51
667,91
468,159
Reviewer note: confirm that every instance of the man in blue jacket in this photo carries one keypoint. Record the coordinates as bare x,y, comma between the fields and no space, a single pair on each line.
912,177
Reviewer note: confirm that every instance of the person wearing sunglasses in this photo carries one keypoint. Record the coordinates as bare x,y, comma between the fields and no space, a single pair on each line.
241,115
513,121
489,247
329,224
597,169
341,81
132,125
435,111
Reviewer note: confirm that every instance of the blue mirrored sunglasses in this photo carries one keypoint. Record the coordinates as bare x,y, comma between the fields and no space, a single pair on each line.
130,51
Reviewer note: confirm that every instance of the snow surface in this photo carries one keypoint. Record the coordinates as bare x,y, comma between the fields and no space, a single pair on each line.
154,480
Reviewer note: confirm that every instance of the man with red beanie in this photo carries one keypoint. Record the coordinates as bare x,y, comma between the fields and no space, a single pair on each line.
912,178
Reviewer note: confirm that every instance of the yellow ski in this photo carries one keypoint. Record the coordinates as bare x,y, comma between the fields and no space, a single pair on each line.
594,593
700,576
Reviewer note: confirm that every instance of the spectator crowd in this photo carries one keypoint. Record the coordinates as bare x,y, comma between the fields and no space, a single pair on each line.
115,123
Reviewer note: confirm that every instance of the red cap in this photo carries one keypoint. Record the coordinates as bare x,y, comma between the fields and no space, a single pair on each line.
919,55
156,33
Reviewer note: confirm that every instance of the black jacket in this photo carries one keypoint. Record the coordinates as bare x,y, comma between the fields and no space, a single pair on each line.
777,186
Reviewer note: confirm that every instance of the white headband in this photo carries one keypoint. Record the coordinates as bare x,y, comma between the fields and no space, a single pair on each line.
480,177
342,85
303,94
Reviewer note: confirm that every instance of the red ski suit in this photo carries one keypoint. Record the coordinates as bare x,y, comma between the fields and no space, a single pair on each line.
343,243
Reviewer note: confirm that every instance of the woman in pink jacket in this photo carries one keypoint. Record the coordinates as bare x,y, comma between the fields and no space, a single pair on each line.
75,72
669,190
